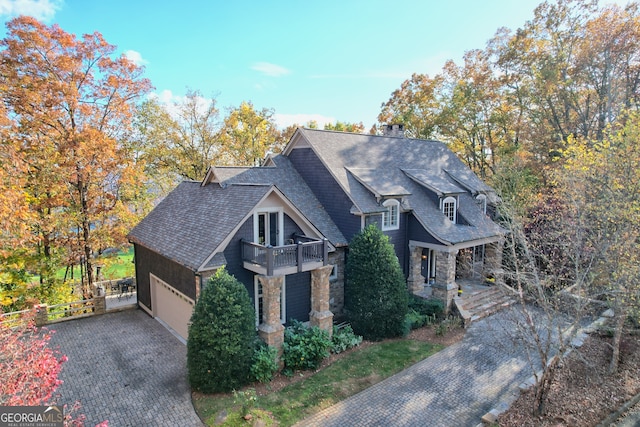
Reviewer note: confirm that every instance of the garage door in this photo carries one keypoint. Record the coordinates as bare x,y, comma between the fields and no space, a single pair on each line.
171,306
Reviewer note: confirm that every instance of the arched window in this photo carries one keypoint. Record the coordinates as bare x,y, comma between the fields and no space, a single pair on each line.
482,201
391,217
449,208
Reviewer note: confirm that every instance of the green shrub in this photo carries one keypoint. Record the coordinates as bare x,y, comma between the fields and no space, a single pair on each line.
343,339
221,336
304,347
376,291
427,307
415,320
264,364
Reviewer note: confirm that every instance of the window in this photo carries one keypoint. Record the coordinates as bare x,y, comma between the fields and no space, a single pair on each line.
391,217
334,273
259,301
266,227
449,208
482,201
478,254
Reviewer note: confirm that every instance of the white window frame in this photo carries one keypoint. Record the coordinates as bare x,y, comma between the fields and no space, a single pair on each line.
451,215
334,273
482,201
391,219
279,226
258,296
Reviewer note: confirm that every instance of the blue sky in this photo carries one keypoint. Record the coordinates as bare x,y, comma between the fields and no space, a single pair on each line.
329,60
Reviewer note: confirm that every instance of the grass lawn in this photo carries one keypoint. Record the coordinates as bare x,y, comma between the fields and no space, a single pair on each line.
116,266
359,369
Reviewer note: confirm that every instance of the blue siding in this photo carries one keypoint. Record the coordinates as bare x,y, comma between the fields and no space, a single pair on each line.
417,232
233,254
298,292
326,189
298,296
290,228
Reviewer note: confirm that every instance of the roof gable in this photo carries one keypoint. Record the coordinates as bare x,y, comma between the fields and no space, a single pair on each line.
412,167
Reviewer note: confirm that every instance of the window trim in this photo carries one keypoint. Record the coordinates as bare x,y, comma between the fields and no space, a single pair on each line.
258,296
391,221
334,273
447,201
482,201
279,226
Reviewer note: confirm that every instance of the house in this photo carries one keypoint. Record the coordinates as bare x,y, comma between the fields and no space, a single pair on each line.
283,229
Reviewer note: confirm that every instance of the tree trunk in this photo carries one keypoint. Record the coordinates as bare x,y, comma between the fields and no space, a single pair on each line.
544,386
617,338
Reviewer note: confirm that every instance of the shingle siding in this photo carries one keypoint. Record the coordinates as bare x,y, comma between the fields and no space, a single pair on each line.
233,255
174,274
326,189
298,296
418,233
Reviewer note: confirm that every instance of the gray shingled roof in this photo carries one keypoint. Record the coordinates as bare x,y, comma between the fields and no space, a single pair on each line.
436,183
192,221
284,176
381,182
342,152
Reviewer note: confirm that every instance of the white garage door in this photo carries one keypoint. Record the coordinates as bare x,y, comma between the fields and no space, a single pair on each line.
171,306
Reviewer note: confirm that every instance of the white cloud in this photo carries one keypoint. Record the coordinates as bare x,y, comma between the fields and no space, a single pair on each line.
135,57
284,120
171,102
43,10
269,69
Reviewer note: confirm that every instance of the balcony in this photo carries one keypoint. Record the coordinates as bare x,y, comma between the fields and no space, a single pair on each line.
305,255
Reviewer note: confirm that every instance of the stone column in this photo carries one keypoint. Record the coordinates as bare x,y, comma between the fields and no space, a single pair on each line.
42,315
415,281
445,288
320,314
493,261
270,329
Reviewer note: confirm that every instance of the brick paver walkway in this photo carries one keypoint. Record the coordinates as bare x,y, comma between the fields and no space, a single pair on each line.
453,388
126,368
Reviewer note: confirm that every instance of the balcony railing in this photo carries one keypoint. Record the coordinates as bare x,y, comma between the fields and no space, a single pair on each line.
305,255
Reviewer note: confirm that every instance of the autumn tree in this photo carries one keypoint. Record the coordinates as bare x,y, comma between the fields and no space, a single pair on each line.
345,127
29,369
247,135
70,101
177,141
601,179
417,104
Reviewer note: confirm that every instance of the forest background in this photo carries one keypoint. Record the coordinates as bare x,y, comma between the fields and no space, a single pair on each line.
547,114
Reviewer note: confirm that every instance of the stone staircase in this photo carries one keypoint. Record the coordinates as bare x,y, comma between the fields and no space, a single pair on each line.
481,301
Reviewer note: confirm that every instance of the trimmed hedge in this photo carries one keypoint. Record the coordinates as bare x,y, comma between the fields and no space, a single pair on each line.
220,346
376,291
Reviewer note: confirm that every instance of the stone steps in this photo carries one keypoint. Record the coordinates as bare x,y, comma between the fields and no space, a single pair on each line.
481,303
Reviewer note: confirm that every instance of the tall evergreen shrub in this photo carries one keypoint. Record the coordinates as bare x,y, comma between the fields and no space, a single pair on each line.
221,338
375,292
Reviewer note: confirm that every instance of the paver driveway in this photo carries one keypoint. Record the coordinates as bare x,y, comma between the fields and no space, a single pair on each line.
453,388
126,368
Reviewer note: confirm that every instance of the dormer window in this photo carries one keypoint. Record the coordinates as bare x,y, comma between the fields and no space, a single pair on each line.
391,217
482,201
449,208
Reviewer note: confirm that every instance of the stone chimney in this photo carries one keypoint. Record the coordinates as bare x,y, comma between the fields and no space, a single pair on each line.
396,130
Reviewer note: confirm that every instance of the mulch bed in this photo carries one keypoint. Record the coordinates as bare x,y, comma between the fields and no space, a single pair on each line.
583,393
426,334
